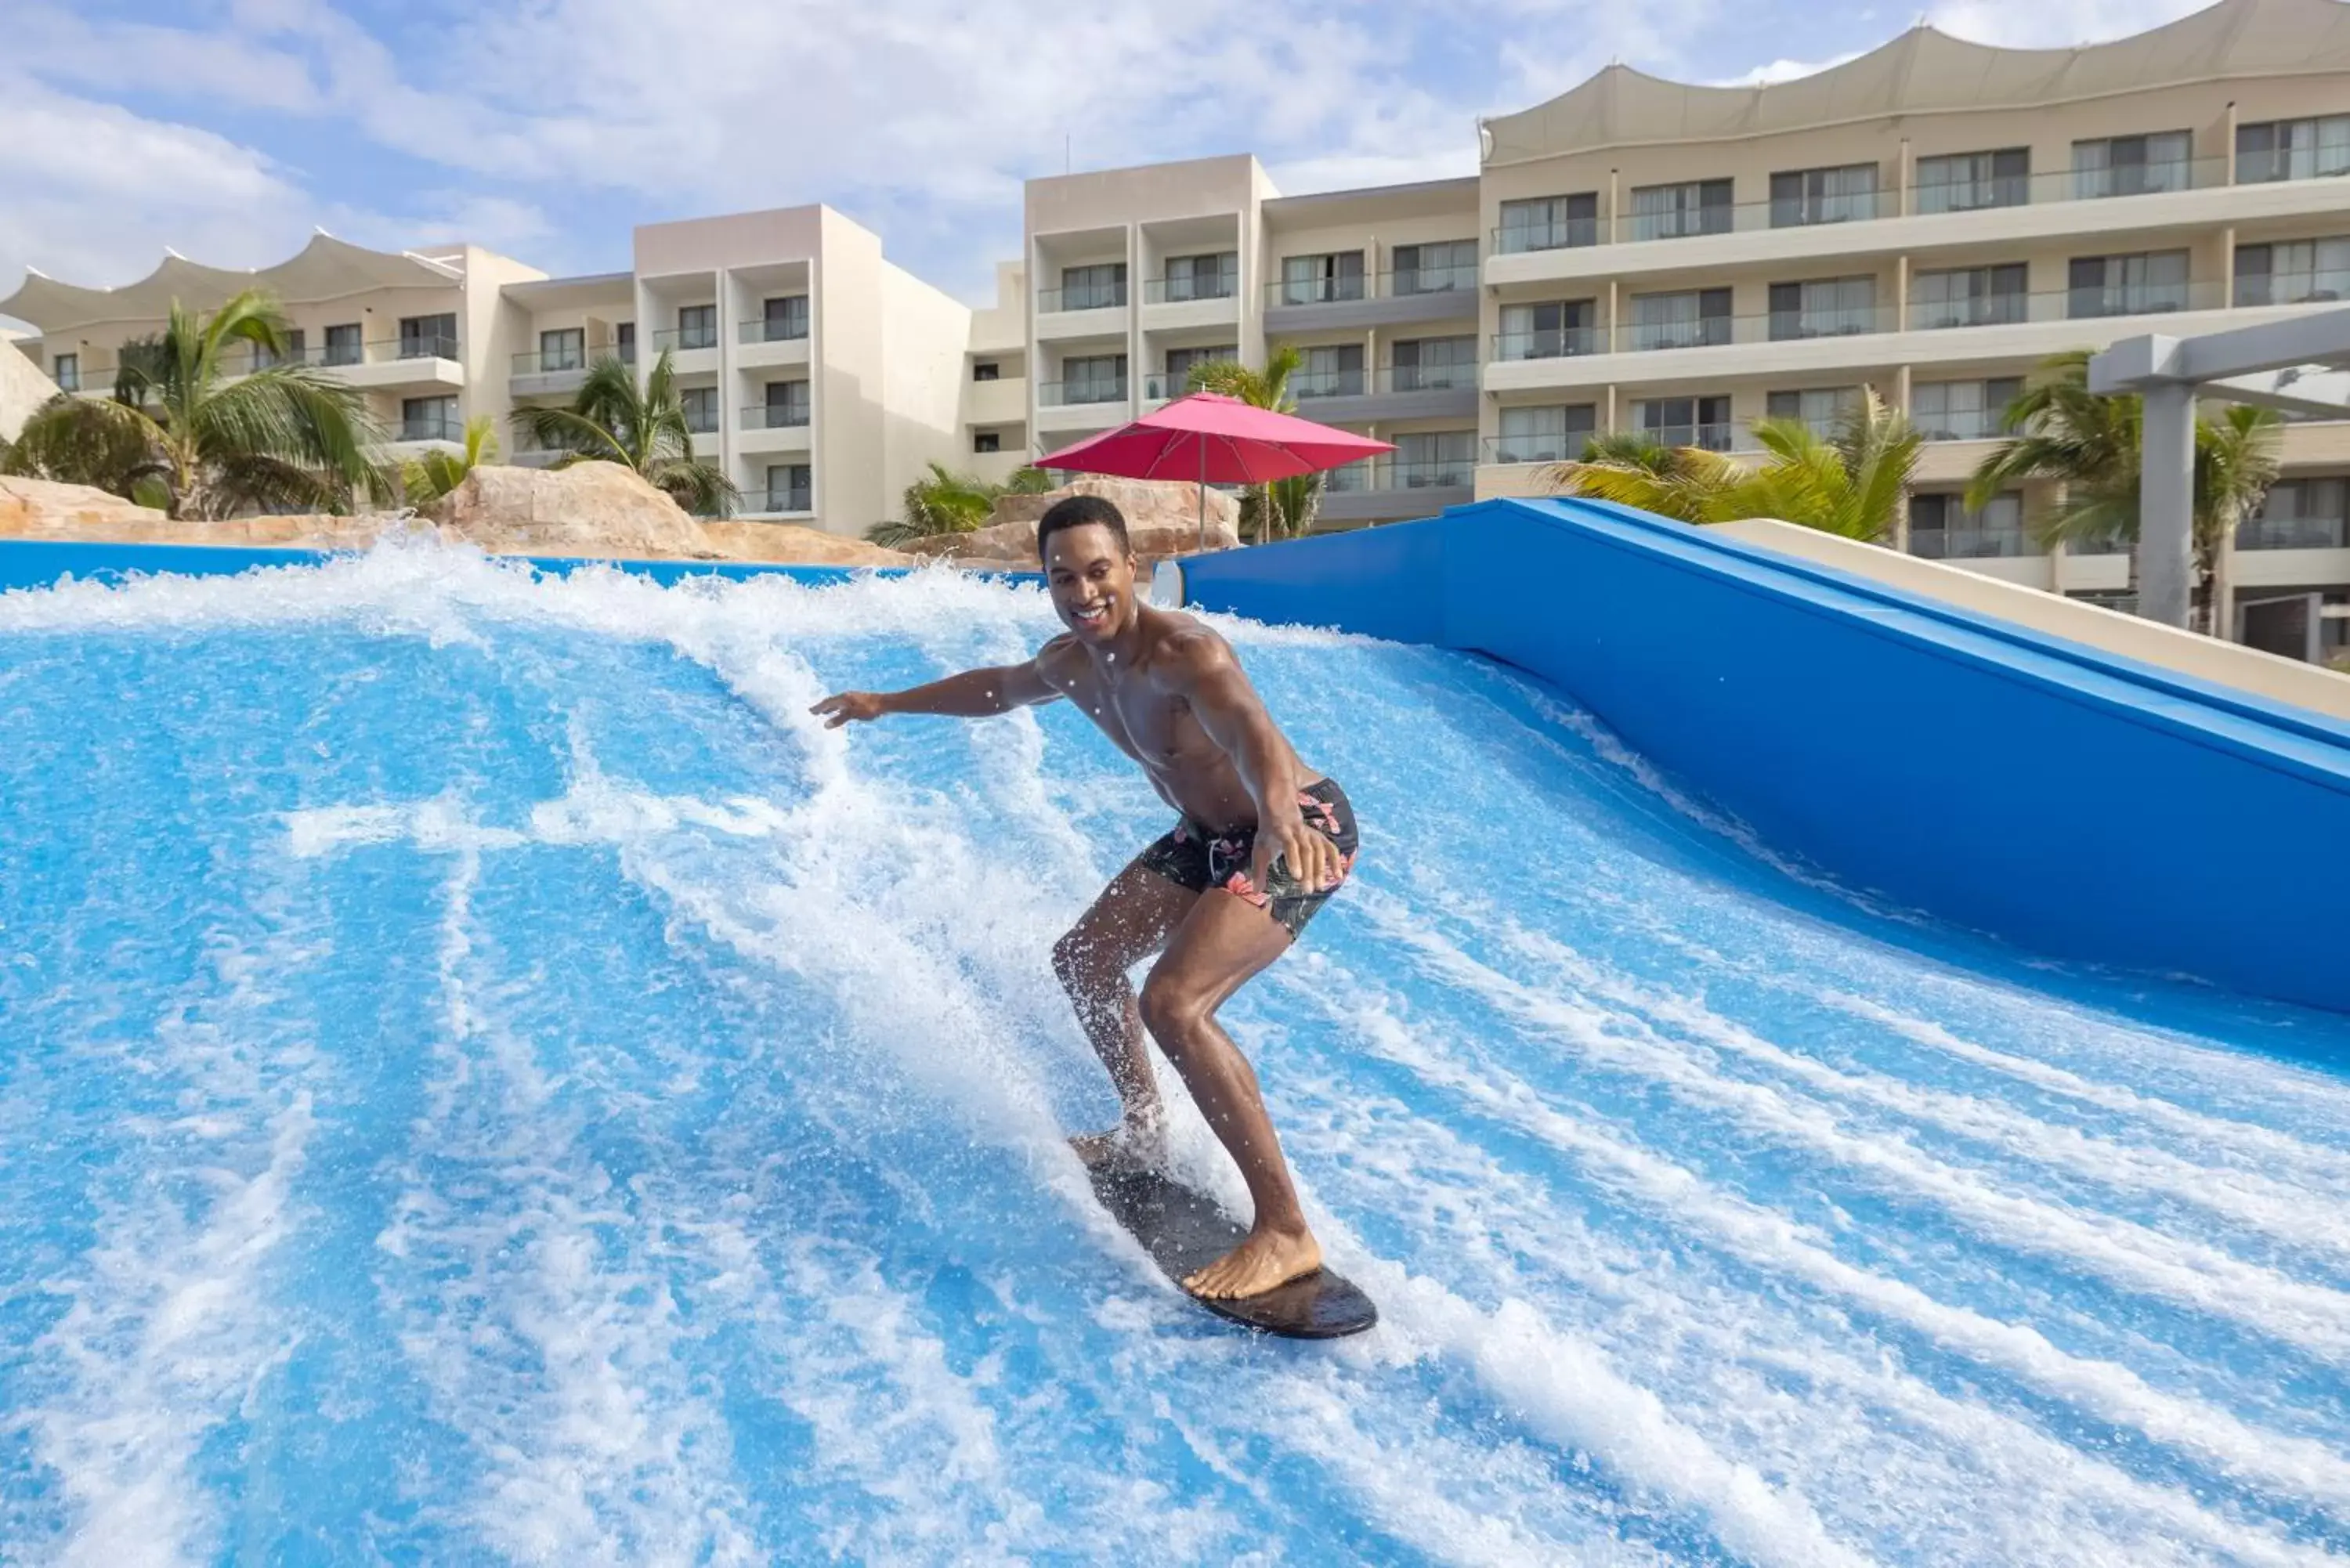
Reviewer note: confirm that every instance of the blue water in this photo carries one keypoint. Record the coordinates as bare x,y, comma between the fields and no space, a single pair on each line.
488,1081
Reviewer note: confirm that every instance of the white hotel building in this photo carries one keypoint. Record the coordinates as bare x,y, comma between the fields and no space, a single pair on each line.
1930,218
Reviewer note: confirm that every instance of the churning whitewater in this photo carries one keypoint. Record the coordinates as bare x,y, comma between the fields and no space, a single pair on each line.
491,1079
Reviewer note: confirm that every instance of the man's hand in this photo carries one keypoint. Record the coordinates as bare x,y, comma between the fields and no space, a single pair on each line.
841,708
1311,860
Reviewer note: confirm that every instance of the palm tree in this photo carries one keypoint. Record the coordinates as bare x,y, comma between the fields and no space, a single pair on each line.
1851,482
944,502
190,428
615,420
428,478
1284,508
2088,444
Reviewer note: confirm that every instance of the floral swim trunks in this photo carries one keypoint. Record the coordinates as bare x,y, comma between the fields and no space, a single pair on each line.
1199,858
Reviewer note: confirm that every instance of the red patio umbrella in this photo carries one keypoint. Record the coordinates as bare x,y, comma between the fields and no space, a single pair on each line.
1215,440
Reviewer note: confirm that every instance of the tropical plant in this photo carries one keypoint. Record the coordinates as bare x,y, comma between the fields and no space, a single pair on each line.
1851,482
2089,444
945,501
427,479
192,429
615,420
1284,508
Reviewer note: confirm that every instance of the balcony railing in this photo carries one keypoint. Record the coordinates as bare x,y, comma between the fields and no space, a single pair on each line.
1429,280
1285,292
1564,448
1552,234
1712,435
1326,384
684,340
1097,296
1074,394
1428,473
1550,343
546,362
1695,332
800,499
2294,533
426,346
775,416
1184,290
701,421
432,427
766,331
1968,544
1426,378
2256,290
1962,424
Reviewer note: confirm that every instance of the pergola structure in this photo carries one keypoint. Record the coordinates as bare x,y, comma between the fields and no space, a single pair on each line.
2299,367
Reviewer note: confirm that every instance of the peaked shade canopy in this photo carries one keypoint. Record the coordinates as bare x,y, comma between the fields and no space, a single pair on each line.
1211,439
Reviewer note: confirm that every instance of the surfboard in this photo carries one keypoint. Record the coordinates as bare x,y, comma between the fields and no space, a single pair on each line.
1184,1230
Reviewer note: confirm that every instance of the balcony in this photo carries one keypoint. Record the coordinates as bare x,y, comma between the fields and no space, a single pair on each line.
1566,446
1389,489
773,427
1097,310
763,343
2294,533
1064,405
1386,299
427,362
1174,304
553,371
1565,233
1550,343
798,499
432,427
2190,194
685,339
1307,384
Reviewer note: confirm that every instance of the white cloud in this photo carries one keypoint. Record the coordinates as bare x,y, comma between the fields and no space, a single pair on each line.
1785,71
2055,24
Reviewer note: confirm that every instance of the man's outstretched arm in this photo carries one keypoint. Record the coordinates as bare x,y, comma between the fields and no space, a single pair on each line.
973,694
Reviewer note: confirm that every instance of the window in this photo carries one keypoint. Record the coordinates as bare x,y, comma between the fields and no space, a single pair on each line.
986,370
1094,379
1967,182
701,404
264,356
697,327
1825,307
1434,364
1551,434
2127,286
1316,280
428,337
1674,212
784,318
1428,459
1330,372
1836,195
298,345
1100,285
1970,296
1692,318
1963,410
1942,529
2296,272
1684,421
624,342
343,344
787,406
1215,276
2299,514
430,419
1824,408
1180,362
986,442
2294,149
1548,331
563,349
1436,268
2133,165
65,369
789,487
1550,223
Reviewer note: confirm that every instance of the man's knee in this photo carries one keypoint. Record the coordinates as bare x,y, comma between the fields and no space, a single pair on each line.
1171,1010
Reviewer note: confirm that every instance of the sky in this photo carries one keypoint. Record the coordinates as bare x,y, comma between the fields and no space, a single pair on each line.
228,130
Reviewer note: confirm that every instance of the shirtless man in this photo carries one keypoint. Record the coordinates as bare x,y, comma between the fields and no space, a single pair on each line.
1259,842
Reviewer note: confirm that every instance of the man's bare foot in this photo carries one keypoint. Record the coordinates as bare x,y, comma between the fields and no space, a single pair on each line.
1129,1144
1268,1258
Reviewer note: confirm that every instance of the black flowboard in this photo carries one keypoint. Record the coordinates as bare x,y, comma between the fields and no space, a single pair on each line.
1184,1230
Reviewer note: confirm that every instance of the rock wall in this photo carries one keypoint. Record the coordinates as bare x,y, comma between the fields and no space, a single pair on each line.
1162,520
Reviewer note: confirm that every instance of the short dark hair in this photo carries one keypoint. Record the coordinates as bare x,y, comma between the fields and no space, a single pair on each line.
1077,512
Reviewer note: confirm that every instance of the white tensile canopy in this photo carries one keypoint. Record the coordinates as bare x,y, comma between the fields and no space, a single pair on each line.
326,269
1924,72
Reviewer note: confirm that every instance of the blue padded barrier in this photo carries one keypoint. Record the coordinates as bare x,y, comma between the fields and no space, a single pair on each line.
2061,798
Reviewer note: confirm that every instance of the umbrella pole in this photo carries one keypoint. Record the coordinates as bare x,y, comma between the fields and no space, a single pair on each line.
1203,495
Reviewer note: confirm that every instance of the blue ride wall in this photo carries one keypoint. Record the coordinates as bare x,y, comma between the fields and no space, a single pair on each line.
2055,796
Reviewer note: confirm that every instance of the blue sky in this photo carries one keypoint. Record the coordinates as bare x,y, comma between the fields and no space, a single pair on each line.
227,129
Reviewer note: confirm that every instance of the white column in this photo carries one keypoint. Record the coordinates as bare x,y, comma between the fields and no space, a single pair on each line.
2165,551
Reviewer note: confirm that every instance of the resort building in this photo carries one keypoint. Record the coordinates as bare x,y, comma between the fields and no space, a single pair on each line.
1930,220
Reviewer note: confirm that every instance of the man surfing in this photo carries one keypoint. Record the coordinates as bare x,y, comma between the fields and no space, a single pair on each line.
1259,842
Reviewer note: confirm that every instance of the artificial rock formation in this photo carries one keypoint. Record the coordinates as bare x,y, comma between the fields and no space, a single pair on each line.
1162,520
